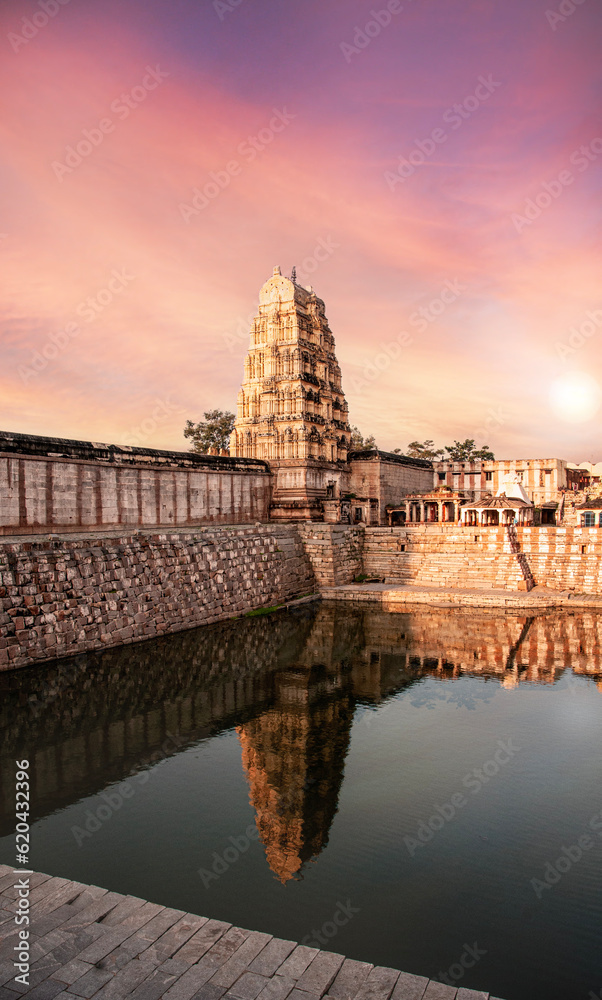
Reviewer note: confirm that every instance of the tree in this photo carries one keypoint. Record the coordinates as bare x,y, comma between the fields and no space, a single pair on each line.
465,451
424,449
213,432
359,443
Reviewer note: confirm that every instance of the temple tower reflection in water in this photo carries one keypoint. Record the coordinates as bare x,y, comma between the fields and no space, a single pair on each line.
293,754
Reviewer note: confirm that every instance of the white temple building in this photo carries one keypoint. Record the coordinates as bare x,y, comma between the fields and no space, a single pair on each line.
510,505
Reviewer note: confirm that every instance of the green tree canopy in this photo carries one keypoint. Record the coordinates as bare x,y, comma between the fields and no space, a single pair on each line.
213,432
466,451
424,449
359,442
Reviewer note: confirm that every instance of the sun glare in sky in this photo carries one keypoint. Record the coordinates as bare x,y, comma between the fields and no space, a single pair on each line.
576,398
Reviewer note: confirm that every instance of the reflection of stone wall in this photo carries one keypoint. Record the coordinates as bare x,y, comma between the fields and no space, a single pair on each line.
289,681
96,718
65,597
448,643
449,556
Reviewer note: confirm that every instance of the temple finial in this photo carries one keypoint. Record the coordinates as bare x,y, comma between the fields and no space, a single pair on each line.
294,276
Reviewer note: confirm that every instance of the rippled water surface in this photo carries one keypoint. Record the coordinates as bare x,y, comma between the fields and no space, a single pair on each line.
405,789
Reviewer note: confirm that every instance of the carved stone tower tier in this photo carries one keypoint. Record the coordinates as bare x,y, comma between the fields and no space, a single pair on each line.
291,407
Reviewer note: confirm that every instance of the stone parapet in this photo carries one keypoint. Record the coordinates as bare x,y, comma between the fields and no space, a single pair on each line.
48,485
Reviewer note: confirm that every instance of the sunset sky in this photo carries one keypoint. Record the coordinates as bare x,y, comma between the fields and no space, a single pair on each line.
443,156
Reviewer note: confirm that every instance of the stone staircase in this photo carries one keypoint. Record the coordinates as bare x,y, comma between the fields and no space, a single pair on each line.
429,557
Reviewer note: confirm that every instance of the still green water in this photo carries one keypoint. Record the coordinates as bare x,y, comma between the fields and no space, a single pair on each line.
406,789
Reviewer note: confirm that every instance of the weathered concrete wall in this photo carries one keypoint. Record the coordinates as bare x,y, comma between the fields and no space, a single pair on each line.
335,551
450,556
73,595
51,485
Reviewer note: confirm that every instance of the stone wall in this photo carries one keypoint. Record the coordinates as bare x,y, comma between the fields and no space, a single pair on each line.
335,551
54,485
388,477
75,594
449,556
69,596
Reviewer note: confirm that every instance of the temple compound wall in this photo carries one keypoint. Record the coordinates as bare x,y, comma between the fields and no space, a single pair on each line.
55,485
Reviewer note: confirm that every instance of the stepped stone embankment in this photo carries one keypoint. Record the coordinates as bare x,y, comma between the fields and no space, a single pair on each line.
68,596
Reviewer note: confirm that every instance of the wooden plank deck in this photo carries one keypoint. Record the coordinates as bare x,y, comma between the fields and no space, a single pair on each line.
87,942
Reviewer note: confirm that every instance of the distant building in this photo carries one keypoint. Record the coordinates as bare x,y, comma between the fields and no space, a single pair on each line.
510,505
384,477
541,478
590,513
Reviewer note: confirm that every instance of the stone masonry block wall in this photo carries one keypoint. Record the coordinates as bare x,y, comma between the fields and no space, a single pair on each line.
449,556
57,486
335,551
59,598
388,481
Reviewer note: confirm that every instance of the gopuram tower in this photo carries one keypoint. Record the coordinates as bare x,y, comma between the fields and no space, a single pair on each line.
291,408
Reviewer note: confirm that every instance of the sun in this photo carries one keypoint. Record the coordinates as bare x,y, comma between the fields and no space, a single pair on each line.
575,397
